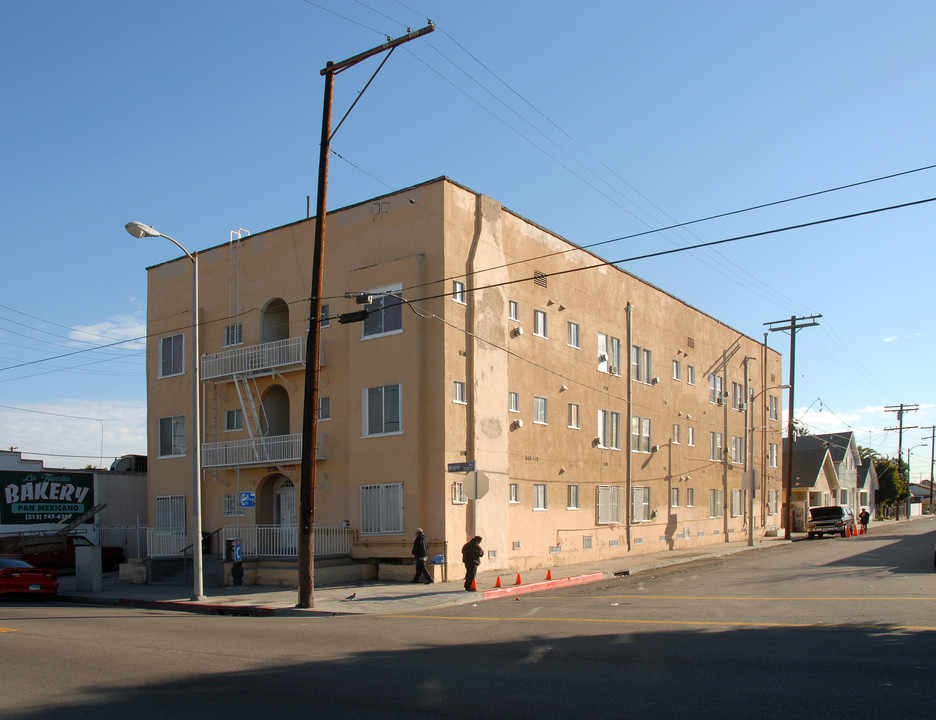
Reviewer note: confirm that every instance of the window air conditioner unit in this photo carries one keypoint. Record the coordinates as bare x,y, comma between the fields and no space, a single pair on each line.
741,406
613,369
654,380
602,357
719,400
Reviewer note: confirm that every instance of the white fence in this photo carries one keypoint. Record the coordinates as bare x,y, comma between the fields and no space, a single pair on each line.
283,540
256,540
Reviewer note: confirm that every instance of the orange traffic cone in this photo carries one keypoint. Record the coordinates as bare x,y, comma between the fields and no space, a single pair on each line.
519,581
474,585
549,574
498,583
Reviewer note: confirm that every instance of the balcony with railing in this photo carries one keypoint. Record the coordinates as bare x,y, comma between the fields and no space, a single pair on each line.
288,354
269,450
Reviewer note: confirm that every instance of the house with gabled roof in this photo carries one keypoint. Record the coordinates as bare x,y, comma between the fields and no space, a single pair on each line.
814,481
843,449
867,486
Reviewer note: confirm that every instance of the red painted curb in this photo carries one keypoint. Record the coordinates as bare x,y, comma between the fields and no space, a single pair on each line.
545,585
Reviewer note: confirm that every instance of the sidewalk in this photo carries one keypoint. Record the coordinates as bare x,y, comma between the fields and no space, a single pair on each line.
382,597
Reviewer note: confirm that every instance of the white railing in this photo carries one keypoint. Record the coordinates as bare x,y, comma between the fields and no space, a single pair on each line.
283,540
166,542
253,451
132,539
253,359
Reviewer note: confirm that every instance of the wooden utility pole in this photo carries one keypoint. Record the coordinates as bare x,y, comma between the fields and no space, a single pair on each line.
792,325
900,410
310,397
932,429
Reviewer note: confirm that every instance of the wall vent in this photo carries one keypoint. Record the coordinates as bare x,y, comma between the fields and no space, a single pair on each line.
539,278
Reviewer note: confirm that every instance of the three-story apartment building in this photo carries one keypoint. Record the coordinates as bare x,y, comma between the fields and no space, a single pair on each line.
602,415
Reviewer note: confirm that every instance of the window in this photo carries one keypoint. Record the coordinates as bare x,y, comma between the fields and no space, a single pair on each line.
233,335
513,402
772,501
773,407
640,504
458,394
382,509
170,516
574,416
325,317
690,497
675,433
736,510
677,370
539,496
690,374
385,313
609,429
514,492
640,434
539,410
233,420
458,493
573,503
573,335
737,449
539,323
862,498
641,360
172,436
232,506
772,455
324,408
716,445
737,396
513,310
381,410
171,352
843,498
716,389
609,354
674,497
717,503
458,291
690,436
608,502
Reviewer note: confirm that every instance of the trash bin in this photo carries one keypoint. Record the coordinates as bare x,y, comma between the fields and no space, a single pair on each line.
237,573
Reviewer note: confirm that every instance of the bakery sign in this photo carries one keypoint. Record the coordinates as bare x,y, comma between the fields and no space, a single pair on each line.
46,496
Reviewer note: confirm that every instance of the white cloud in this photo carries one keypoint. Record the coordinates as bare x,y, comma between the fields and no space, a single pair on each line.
118,327
892,338
75,433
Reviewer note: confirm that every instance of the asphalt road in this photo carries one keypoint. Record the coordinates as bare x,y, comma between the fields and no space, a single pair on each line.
832,628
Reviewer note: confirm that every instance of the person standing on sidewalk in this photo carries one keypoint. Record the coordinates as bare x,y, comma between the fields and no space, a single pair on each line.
863,517
421,553
471,556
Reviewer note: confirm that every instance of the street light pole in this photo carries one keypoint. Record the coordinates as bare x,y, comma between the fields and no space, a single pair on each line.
910,494
139,230
749,432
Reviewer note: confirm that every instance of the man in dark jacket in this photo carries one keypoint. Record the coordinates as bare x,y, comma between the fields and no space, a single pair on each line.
471,556
421,553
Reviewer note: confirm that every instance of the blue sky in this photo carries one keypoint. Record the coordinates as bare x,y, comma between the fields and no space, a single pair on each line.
596,120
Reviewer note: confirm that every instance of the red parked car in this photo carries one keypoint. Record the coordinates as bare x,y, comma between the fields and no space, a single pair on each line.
18,576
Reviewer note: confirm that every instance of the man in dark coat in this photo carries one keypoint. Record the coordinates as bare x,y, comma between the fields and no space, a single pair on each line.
421,553
471,556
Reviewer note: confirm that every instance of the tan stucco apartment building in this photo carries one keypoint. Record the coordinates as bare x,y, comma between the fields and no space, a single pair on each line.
603,415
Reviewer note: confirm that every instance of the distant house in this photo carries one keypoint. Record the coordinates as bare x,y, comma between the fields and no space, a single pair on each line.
843,449
814,482
868,486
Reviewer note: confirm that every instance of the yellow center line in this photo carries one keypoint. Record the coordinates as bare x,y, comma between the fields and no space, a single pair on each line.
711,623
733,597
2,630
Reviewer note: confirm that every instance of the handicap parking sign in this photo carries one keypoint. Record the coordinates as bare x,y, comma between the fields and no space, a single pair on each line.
248,499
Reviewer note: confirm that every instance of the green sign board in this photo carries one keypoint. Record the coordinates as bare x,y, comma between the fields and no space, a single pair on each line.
44,496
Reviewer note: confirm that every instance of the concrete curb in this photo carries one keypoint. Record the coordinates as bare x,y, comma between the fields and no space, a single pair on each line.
542,585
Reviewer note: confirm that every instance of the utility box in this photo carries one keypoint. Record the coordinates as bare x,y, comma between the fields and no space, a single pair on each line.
88,568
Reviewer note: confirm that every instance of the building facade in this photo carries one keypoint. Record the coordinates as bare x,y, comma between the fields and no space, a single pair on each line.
584,413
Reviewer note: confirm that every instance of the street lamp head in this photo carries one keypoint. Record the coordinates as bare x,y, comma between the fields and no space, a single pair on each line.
139,230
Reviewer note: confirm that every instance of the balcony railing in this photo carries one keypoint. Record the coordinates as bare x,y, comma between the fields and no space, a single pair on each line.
277,355
268,450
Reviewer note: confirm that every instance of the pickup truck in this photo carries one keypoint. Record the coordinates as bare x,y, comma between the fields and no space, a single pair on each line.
57,551
830,520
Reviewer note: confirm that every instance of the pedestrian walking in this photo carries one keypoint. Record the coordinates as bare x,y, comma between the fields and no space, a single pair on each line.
471,556
863,517
421,553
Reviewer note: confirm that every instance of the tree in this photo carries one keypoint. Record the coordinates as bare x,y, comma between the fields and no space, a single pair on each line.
892,487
